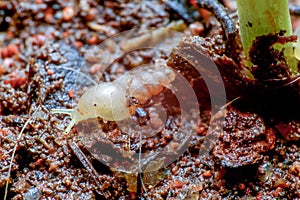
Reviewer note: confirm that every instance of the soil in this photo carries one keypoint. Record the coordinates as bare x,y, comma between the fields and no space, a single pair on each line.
52,51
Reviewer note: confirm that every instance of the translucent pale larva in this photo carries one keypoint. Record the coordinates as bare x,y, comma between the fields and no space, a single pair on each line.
118,100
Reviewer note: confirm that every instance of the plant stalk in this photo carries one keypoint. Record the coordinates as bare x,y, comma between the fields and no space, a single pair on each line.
263,17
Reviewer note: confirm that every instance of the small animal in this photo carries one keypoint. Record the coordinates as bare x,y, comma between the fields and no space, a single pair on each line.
118,100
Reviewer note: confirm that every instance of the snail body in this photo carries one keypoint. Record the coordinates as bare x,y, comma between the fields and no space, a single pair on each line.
118,100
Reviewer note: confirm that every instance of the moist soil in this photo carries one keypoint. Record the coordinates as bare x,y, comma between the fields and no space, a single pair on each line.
52,51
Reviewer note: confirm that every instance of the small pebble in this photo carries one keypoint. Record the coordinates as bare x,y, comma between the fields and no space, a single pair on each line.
178,184
295,169
207,174
32,194
13,49
68,13
93,40
91,14
241,186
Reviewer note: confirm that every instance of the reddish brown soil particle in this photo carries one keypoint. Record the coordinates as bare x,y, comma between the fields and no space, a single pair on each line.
50,72
248,190
71,94
39,1
207,174
3,70
39,40
198,188
39,162
15,81
4,52
241,186
201,130
9,51
78,44
175,170
1,154
3,132
295,169
178,184
13,49
65,34
196,28
276,192
93,40
91,14
132,195
49,14
53,166
259,196
281,183
68,13
290,131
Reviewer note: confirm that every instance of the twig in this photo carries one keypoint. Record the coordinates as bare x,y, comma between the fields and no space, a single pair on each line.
88,166
180,10
228,25
14,151
223,17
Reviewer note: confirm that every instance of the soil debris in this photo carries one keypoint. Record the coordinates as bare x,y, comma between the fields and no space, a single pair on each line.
244,139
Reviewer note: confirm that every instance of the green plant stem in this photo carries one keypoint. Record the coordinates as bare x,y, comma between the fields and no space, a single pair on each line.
262,17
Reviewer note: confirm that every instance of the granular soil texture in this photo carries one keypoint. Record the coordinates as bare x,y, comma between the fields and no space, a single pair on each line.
51,50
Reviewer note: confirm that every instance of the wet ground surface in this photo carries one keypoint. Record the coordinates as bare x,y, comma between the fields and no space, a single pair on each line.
50,52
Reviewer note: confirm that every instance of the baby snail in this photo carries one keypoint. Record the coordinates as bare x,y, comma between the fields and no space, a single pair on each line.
118,100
